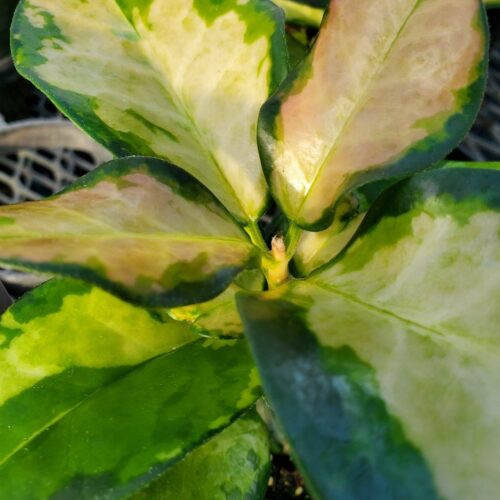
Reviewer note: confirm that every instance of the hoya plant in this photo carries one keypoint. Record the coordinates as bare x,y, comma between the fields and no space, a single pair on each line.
310,255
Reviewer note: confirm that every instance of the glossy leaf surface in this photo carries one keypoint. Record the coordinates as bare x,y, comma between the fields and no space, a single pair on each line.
233,464
310,12
60,343
178,79
137,227
95,392
317,249
381,95
384,367
219,317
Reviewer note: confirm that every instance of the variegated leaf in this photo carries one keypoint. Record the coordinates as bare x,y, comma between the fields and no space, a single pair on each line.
297,45
233,464
384,367
317,249
138,227
219,317
310,12
95,393
381,95
177,79
60,343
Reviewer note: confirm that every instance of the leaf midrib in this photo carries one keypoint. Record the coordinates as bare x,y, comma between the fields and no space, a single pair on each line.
362,99
183,109
160,231
61,415
125,235
447,336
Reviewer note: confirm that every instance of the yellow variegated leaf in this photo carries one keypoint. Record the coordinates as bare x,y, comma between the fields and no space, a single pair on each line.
219,317
383,367
94,394
318,248
310,12
138,227
177,79
388,89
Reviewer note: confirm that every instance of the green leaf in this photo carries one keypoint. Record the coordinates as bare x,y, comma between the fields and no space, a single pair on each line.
62,342
137,227
384,367
177,79
99,397
234,464
301,13
297,49
219,317
380,96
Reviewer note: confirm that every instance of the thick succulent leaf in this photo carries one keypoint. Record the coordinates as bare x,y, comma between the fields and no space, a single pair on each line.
316,249
138,227
310,12
177,79
301,13
62,342
381,95
480,165
384,368
219,317
99,397
297,48
233,464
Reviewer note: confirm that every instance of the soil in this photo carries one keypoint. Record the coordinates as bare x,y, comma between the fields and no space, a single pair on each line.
285,482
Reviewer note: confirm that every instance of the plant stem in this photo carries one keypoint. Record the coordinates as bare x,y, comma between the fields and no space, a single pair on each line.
275,263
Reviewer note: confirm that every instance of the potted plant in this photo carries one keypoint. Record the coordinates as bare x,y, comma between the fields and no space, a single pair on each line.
367,323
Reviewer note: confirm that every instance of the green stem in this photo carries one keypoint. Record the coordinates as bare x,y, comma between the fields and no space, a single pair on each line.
275,263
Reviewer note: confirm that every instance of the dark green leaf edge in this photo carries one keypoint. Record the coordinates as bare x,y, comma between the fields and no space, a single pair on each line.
478,186
421,156
80,108
343,438
185,186
156,490
99,486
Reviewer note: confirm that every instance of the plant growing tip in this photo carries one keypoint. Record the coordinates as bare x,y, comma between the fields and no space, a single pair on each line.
275,263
